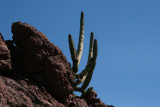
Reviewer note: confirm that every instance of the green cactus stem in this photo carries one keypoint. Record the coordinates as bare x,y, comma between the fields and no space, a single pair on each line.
73,53
72,48
81,77
76,55
95,50
91,47
81,38
91,66
86,75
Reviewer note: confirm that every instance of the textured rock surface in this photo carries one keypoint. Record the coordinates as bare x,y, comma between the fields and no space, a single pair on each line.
13,53
92,100
77,102
40,75
5,62
19,91
42,60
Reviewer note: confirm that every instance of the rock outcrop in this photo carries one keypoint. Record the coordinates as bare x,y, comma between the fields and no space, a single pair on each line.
42,60
18,91
92,100
5,58
35,73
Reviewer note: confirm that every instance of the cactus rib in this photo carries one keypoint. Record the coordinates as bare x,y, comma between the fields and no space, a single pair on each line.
72,47
81,38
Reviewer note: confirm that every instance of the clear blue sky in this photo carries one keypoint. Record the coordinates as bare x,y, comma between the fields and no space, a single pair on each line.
127,73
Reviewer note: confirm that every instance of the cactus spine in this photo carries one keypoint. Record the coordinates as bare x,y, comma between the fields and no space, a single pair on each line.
86,75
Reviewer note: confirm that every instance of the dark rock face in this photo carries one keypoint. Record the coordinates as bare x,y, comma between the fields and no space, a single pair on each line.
5,62
42,60
19,91
77,102
38,73
92,100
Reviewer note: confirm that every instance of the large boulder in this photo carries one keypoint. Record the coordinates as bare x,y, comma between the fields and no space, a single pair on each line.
5,58
42,60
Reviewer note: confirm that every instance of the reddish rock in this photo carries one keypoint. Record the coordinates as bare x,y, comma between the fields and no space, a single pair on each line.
89,96
18,91
77,102
92,100
42,60
41,75
5,62
99,104
13,54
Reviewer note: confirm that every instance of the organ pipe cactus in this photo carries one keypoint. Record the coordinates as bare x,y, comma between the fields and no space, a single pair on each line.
86,75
